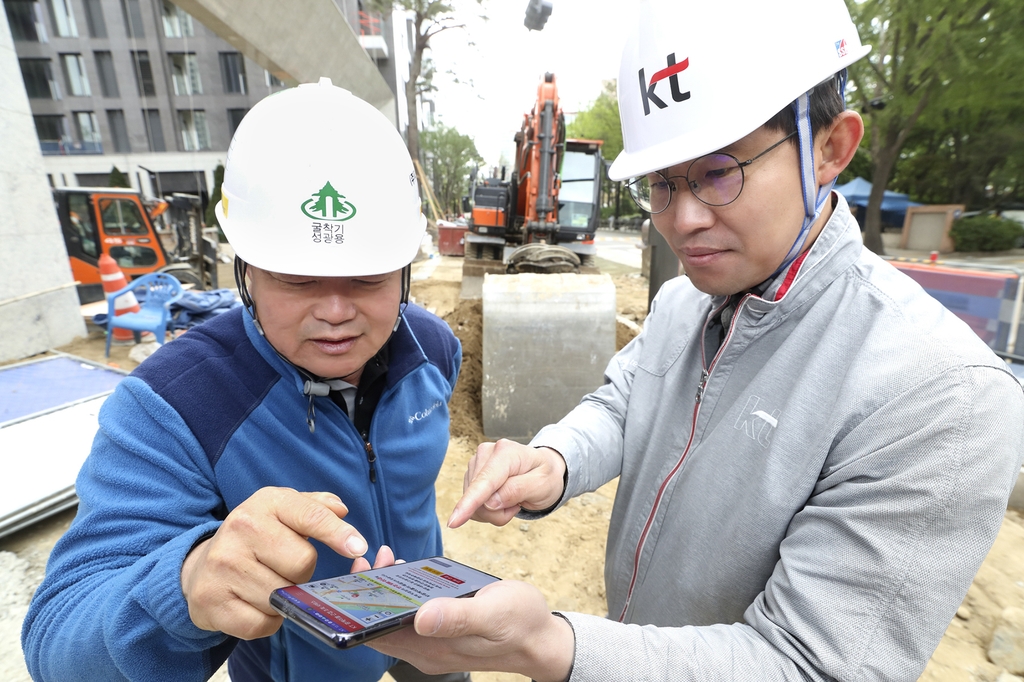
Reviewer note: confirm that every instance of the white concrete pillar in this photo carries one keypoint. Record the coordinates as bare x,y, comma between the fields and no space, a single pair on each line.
38,302
547,341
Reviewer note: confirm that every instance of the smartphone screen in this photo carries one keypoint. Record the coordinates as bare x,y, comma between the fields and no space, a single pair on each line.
355,608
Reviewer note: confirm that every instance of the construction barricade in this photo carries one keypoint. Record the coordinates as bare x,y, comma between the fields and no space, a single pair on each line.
987,297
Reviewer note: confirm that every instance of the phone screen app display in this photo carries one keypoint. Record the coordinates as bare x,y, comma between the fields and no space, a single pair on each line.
354,602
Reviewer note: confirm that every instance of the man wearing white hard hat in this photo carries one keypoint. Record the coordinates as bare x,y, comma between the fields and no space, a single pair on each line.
814,456
272,444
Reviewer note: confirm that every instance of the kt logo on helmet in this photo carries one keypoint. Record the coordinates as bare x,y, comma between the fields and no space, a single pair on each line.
672,74
327,204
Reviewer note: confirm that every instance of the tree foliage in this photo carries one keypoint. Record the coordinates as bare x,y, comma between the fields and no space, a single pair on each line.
986,233
450,157
117,178
600,121
429,17
942,76
218,180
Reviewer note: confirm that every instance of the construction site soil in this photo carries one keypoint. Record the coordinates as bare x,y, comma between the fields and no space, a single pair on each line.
563,554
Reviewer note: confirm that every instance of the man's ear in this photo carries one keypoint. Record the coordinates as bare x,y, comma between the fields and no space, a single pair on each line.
837,145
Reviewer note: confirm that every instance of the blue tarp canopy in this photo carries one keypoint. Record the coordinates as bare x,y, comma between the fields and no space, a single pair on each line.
894,204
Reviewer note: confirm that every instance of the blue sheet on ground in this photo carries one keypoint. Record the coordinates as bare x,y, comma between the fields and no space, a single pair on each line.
196,307
42,385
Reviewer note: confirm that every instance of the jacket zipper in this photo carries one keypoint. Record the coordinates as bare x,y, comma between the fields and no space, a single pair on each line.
371,458
705,374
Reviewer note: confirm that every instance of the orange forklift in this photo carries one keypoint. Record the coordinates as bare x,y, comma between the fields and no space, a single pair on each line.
119,223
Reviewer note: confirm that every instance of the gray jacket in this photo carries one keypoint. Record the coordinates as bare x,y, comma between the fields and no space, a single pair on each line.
821,509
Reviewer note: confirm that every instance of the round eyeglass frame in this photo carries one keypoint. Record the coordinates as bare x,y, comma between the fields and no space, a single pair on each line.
640,185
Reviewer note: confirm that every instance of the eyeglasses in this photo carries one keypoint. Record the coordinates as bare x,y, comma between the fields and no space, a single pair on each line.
715,179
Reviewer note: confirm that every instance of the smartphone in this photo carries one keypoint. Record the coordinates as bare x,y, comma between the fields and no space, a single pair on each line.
349,610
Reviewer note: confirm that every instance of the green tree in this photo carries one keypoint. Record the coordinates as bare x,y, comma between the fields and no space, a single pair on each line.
965,157
929,57
450,158
117,178
218,180
430,17
600,121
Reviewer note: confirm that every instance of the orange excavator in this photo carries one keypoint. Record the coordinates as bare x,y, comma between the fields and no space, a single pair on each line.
554,193
119,223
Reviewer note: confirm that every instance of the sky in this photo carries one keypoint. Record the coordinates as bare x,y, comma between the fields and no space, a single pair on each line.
499,63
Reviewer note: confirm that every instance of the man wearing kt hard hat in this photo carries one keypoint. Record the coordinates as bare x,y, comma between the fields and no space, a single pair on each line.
272,444
814,456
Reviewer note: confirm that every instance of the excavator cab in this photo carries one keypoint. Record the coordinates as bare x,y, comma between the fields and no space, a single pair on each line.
492,203
111,221
116,222
579,197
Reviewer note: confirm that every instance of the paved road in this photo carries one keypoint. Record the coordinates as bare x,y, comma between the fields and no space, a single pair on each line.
619,247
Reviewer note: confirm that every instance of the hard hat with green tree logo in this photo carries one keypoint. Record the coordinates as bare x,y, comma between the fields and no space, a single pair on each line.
319,182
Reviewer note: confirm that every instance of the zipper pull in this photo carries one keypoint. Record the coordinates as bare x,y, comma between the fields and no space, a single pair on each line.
703,384
371,457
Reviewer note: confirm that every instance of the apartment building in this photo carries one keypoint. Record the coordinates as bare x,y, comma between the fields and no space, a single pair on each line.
143,86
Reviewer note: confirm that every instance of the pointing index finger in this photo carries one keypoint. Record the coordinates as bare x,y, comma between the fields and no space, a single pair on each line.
320,519
479,493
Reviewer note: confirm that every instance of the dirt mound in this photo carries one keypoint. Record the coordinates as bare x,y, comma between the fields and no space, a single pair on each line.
467,415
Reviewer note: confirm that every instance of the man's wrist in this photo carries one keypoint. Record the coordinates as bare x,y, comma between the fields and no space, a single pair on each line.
536,513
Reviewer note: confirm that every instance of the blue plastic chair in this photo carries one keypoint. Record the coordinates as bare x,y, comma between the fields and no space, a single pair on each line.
155,292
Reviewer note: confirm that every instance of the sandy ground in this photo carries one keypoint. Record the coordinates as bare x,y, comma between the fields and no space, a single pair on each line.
562,554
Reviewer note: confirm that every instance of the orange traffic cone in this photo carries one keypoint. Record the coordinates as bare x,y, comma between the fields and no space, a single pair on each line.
114,280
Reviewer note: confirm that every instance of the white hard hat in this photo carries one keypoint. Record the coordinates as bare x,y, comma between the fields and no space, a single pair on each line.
318,182
697,76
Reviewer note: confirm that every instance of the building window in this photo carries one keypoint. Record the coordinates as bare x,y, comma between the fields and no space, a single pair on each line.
74,75
144,73
132,18
94,18
83,228
118,131
177,22
272,80
154,131
88,132
26,20
185,73
38,77
234,118
194,134
232,70
122,217
53,134
63,18
108,79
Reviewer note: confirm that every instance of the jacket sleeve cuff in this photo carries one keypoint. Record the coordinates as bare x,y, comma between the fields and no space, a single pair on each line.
533,515
164,598
593,635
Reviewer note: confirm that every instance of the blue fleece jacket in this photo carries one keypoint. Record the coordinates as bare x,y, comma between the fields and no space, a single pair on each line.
193,432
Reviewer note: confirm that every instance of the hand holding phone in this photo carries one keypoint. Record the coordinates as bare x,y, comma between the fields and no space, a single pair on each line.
351,609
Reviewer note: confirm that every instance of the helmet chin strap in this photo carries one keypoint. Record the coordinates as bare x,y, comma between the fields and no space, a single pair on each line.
814,196
406,286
